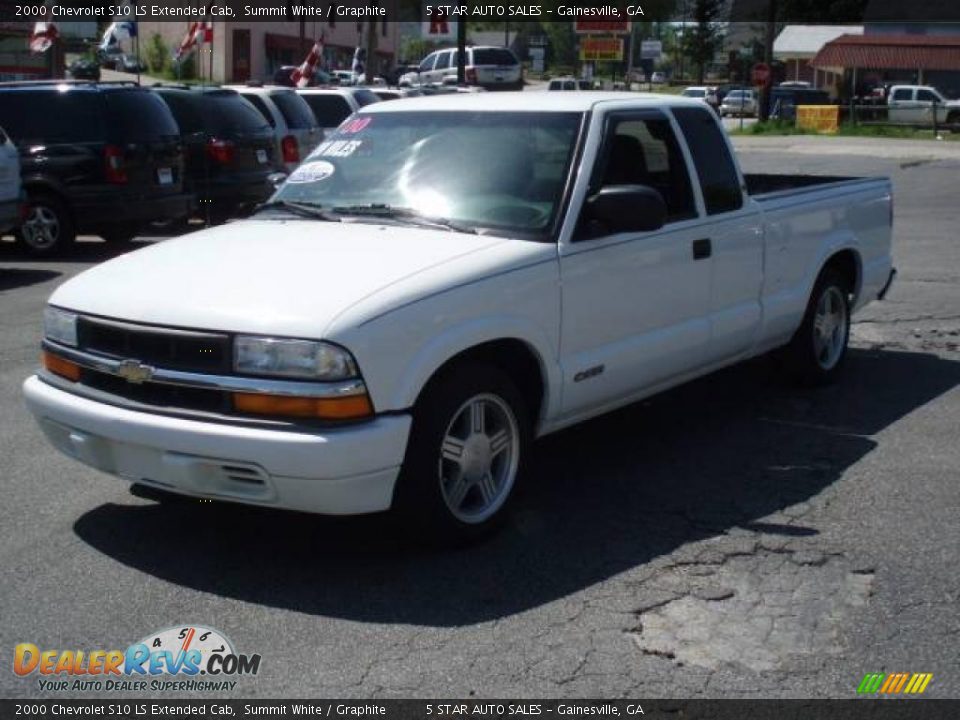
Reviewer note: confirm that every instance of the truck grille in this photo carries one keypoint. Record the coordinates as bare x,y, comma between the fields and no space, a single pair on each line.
186,350
159,395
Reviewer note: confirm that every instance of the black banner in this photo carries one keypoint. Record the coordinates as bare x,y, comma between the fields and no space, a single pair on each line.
917,14
858,709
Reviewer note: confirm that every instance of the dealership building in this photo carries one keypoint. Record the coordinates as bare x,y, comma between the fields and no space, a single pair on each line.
253,50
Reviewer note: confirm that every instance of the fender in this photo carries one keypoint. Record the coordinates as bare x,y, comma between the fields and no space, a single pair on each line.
833,243
460,338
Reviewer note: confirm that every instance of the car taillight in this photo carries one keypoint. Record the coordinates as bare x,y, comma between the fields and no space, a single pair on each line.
291,151
113,164
220,151
471,75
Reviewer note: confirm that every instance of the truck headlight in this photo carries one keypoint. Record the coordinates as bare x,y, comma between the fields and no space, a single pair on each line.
60,326
307,359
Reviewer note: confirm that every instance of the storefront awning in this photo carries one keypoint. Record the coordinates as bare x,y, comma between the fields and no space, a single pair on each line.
893,52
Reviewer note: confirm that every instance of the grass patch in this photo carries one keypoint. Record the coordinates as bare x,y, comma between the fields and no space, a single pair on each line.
781,127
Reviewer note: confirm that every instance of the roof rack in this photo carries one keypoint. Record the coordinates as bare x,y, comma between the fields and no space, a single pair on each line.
31,83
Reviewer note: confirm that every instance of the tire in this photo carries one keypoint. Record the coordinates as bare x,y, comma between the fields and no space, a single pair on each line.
953,119
466,450
48,228
818,350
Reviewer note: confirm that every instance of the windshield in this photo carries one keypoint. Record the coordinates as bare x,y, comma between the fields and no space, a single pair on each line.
502,172
694,93
739,94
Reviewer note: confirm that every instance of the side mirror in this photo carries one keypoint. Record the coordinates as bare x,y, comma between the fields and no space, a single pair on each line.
625,208
275,180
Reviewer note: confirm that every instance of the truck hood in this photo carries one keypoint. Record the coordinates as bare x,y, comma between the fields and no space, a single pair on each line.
266,276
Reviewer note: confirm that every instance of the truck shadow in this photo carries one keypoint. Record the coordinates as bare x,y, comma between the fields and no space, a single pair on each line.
601,498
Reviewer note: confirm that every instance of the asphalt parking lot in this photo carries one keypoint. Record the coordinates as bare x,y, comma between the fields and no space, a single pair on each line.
736,537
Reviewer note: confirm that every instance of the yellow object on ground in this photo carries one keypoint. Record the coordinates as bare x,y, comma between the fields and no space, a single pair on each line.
822,118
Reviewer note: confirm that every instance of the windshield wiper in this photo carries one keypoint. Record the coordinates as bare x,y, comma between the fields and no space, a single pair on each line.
304,209
403,214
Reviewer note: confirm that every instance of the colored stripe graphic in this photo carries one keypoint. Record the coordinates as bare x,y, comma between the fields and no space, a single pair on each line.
870,683
894,683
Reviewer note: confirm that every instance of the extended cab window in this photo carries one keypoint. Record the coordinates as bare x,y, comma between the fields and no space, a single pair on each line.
711,157
926,96
645,152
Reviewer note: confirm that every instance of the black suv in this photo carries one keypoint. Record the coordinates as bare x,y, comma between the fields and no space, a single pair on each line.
96,158
228,149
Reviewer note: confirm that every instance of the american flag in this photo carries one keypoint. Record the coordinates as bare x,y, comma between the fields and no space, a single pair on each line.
302,75
200,32
43,36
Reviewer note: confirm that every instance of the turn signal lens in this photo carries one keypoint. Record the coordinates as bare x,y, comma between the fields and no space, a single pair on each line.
351,407
58,366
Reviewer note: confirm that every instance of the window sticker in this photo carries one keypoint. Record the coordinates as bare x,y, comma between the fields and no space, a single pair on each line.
312,172
338,148
354,126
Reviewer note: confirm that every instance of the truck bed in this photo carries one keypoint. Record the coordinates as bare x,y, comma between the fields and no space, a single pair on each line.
767,184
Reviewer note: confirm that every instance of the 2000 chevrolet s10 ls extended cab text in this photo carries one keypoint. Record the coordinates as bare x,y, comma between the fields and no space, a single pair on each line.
443,280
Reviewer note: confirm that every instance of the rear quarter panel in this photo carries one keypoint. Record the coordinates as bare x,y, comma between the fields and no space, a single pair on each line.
804,228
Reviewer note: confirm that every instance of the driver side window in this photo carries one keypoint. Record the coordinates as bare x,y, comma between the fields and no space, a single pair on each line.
427,63
644,151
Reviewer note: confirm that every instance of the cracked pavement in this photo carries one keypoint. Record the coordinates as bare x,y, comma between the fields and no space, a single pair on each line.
736,537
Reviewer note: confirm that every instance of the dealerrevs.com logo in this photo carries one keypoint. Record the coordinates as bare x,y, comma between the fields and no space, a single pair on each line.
181,658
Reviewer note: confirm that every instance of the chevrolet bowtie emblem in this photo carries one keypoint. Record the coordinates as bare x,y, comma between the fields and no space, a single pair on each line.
134,372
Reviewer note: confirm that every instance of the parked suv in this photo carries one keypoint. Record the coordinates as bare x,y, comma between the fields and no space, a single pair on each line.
11,196
493,68
97,158
295,129
229,152
334,105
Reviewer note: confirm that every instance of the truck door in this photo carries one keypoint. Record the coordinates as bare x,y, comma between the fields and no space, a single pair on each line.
927,100
635,305
734,230
901,107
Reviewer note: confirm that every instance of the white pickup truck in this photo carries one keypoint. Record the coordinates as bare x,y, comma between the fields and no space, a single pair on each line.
442,281
914,104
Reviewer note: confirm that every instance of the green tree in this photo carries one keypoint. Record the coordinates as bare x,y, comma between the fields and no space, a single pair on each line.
158,55
702,40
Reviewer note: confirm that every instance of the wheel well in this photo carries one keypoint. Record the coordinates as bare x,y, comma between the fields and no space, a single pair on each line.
847,262
515,358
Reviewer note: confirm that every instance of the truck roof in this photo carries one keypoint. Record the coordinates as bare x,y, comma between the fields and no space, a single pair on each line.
529,101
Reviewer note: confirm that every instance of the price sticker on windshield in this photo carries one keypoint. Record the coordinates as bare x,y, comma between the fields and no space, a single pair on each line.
354,126
339,148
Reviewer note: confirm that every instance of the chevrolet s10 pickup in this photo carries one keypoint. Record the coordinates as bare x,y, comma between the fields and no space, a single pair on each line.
442,281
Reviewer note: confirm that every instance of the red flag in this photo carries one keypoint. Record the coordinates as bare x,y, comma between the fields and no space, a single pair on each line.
302,75
198,33
43,36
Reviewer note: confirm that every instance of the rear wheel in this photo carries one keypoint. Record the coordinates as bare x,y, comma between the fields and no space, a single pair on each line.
48,227
469,437
817,352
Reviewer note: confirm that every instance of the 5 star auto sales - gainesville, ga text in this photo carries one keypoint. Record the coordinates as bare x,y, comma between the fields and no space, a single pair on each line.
184,651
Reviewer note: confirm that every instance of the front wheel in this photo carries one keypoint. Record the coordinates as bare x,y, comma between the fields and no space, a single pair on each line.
469,438
817,352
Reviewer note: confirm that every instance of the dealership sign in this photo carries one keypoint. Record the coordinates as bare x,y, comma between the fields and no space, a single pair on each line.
651,50
601,27
594,49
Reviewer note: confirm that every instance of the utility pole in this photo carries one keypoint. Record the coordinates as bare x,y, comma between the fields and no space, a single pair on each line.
371,46
461,52
763,112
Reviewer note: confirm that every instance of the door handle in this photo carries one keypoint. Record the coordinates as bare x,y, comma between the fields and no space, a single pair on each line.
702,249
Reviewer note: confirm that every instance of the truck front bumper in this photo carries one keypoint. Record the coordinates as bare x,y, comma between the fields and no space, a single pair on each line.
342,471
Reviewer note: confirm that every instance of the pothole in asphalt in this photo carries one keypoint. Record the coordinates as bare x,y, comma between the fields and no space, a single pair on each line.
754,609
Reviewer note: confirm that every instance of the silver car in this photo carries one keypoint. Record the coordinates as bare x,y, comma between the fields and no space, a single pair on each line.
739,103
486,66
